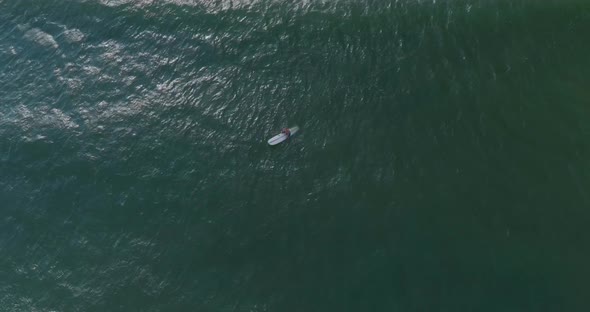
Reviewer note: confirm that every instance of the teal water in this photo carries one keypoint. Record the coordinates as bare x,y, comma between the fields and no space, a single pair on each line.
443,162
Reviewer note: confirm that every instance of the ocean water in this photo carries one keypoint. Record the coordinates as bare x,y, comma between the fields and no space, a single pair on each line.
443,162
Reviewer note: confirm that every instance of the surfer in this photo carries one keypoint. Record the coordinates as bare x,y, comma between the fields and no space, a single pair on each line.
285,134
286,131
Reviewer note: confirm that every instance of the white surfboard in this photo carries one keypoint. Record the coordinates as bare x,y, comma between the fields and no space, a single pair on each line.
281,137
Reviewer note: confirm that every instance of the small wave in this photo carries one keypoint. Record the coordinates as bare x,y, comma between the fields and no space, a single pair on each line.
61,120
116,3
42,38
74,35
8,50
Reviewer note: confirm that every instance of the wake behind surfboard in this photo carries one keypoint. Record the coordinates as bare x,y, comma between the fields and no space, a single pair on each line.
281,137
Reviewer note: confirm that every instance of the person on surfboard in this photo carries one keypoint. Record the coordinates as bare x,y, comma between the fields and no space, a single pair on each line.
287,132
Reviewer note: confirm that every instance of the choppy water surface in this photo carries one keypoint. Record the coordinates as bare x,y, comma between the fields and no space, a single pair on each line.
443,162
